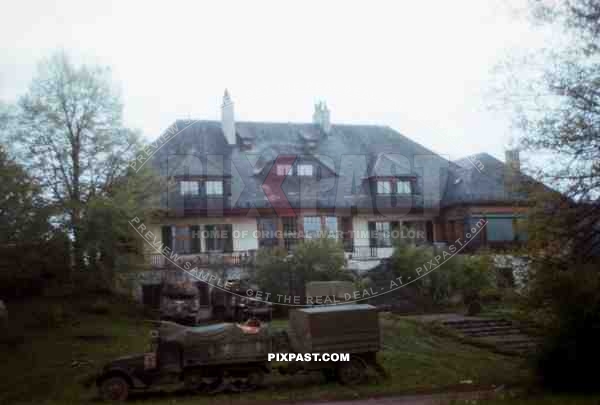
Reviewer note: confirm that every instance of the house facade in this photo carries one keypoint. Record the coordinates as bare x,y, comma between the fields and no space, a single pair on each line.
237,186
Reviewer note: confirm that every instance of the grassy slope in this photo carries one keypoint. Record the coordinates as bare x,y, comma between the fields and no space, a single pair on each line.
41,369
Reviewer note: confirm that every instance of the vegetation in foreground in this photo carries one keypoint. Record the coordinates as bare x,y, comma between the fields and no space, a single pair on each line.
61,344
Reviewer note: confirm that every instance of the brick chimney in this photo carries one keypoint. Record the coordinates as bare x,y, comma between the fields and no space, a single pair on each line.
512,160
321,117
228,119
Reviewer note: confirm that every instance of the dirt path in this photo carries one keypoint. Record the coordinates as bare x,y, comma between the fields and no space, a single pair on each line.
429,399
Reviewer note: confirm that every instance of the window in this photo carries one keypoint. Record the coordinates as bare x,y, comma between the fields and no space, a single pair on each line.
290,230
312,227
384,187
283,170
203,293
219,238
267,228
214,188
383,234
403,187
305,170
188,188
499,229
167,236
331,227
182,239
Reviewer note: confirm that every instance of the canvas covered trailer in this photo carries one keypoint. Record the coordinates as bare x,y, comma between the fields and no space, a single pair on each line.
335,328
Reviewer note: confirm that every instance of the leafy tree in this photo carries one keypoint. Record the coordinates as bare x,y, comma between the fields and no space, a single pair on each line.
69,133
31,250
312,260
559,113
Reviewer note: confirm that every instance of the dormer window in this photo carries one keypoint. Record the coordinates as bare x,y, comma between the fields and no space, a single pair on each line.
384,187
305,170
214,188
188,188
403,187
283,170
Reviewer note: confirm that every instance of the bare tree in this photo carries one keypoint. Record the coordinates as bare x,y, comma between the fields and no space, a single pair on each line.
70,135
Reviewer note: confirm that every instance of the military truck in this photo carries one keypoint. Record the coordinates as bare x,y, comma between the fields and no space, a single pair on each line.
236,356
237,307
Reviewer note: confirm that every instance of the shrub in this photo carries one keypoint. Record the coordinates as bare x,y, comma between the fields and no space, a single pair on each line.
467,275
568,304
313,260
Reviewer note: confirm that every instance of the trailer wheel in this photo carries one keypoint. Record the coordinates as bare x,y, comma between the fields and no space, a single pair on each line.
114,389
352,372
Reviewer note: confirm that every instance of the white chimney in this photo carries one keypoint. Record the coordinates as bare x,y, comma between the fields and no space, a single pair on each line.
228,119
321,117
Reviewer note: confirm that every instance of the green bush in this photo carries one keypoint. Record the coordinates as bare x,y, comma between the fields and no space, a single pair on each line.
278,272
466,275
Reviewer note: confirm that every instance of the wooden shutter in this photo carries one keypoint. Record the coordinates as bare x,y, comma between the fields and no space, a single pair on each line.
167,236
195,239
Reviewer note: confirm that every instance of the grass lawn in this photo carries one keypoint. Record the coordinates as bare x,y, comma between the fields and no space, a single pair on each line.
63,342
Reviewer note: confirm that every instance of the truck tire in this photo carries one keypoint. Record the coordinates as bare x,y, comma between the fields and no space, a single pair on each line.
114,389
352,372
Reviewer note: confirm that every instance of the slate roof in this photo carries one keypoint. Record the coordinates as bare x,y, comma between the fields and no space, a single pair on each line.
352,152
482,178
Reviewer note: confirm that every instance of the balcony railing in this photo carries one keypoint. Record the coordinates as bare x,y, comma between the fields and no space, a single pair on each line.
237,258
370,252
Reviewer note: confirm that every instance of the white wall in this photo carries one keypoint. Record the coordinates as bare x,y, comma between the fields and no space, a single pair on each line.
244,230
360,227
245,235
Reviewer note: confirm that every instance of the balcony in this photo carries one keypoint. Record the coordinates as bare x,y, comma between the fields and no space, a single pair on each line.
370,253
238,258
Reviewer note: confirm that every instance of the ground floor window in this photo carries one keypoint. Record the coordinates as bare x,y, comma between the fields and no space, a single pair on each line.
203,293
290,232
218,238
380,234
331,227
500,229
267,232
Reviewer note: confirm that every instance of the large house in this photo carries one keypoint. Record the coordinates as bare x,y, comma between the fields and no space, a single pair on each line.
237,186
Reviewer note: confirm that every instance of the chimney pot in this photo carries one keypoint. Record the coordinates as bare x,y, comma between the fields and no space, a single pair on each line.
321,117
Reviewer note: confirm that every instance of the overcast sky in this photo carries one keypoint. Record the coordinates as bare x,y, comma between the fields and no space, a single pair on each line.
421,67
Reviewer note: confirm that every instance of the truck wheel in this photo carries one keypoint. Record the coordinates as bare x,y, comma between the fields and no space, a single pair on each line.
114,389
352,372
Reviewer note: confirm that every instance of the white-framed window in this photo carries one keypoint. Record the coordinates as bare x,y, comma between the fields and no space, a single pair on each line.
283,170
383,234
312,227
305,170
384,187
331,227
403,187
214,187
188,188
